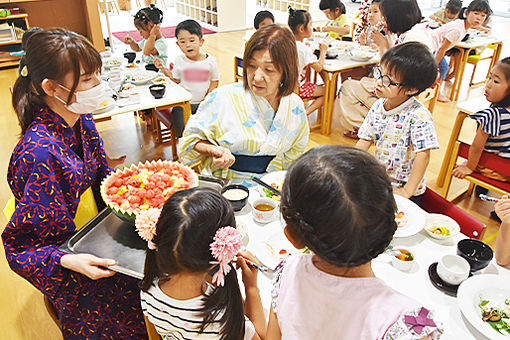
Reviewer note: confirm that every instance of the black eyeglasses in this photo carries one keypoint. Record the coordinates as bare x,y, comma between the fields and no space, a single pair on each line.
386,80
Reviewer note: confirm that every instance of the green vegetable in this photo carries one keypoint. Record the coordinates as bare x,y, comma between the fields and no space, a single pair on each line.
269,193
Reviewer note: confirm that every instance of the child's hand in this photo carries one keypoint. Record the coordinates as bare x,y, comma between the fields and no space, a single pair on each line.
158,63
363,38
249,273
503,209
155,32
223,158
128,40
323,47
461,171
379,39
401,192
325,29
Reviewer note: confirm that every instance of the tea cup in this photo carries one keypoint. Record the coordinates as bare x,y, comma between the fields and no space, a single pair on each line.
264,210
453,269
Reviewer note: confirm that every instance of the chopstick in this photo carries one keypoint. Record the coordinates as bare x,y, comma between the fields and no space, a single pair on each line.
488,198
265,185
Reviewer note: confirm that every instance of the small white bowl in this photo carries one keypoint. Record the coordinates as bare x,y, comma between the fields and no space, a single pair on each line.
264,216
401,264
453,269
441,221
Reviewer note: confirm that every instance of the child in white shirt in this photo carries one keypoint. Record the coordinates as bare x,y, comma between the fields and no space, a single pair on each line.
400,126
194,70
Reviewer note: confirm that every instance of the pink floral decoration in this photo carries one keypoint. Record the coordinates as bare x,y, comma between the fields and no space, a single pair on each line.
226,245
146,222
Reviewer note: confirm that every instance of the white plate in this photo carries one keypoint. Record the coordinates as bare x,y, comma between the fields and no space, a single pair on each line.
415,217
272,177
141,77
112,62
160,80
486,286
109,104
441,220
268,254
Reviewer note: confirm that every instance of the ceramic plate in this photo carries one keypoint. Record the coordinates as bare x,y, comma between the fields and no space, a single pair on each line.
276,177
275,248
440,220
414,217
141,77
112,62
492,288
106,105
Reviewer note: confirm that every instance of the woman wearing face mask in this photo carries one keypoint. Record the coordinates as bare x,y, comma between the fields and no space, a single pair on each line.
60,155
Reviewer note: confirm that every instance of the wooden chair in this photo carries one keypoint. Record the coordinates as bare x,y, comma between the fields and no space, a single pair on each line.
151,330
476,58
238,69
432,202
320,110
167,134
488,160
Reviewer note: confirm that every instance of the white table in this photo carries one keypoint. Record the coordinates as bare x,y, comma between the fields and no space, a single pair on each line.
414,283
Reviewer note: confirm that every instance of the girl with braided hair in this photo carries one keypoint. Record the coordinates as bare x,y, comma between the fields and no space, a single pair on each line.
338,202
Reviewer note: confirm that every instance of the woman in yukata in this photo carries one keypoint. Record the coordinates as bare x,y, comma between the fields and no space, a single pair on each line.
256,127
59,156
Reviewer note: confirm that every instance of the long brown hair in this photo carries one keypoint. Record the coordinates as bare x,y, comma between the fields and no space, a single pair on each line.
50,54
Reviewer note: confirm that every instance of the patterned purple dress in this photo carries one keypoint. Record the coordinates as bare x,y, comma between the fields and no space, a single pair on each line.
48,171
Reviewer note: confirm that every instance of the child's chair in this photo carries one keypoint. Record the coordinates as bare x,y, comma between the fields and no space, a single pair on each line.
476,58
151,330
432,202
238,69
488,160
318,122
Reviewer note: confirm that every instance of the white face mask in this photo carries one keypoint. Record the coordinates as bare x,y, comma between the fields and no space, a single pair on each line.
86,101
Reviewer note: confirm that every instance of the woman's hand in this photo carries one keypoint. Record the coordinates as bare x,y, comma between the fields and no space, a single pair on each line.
128,40
222,157
461,171
249,273
89,265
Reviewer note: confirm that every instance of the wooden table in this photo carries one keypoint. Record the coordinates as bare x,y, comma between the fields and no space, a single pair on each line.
465,48
465,108
332,69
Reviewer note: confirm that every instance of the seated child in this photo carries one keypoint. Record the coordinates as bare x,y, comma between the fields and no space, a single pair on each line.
449,13
374,22
179,296
398,124
503,238
493,132
339,24
262,19
300,22
147,22
337,201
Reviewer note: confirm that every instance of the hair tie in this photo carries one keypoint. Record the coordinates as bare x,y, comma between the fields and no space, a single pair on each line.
24,71
151,245
224,248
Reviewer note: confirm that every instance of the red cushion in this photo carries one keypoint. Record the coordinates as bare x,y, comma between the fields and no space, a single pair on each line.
501,185
488,160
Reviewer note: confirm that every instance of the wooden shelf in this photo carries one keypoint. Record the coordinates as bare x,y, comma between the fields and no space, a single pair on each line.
20,21
11,42
222,15
15,16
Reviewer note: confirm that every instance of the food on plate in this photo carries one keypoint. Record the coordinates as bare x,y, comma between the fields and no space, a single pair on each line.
127,87
146,185
159,80
131,66
104,103
112,62
443,231
405,255
400,218
496,315
235,194
264,207
271,194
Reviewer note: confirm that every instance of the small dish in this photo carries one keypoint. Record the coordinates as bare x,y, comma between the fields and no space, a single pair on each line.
160,80
234,194
477,253
106,105
112,62
264,209
441,227
404,261
446,288
141,77
126,90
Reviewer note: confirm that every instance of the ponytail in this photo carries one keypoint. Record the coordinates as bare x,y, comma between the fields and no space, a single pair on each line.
298,17
25,101
226,299
150,270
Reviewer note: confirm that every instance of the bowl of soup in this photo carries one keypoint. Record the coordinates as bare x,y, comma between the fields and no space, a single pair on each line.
237,195
264,209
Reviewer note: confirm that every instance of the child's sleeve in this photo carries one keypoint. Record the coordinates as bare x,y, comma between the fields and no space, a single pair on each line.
367,129
416,324
162,48
215,72
488,120
177,68
423,133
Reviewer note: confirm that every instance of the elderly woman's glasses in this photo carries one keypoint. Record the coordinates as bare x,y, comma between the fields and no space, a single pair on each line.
385,79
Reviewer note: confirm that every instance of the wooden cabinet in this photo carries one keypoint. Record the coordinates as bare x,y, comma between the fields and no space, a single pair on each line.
312,6
20,23
218,15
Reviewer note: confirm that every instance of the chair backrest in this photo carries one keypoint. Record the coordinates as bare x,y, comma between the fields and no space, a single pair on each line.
488,160
238,69
432,202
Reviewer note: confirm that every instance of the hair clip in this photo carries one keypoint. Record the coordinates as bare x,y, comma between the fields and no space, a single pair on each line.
24,71
146,222
224,248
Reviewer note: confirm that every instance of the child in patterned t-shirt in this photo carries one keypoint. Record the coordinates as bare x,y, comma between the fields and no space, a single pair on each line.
400,126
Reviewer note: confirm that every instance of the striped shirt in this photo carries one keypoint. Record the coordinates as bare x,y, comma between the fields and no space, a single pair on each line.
180,319
495,121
